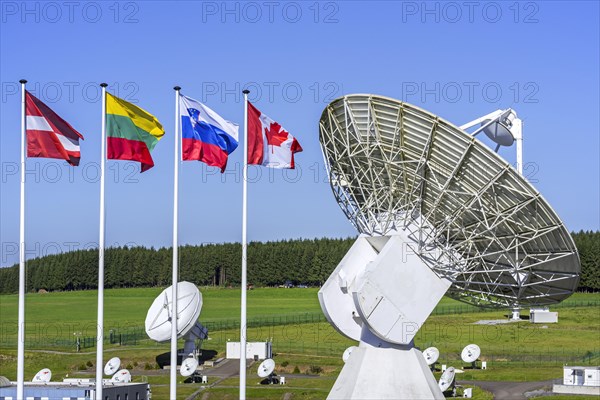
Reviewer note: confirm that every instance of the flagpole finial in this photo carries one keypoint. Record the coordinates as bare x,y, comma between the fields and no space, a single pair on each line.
103,84
177,88
245,91
23,81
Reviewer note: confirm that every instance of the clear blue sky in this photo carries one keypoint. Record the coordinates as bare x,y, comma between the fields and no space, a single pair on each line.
458,59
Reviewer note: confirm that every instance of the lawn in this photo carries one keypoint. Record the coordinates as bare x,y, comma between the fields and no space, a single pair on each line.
515,351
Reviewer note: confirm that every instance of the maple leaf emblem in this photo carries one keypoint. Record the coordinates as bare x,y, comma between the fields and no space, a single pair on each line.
276,135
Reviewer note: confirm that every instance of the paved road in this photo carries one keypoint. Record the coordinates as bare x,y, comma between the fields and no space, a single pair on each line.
508,390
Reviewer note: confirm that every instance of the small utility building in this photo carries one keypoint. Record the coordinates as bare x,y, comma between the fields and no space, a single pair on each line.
579,380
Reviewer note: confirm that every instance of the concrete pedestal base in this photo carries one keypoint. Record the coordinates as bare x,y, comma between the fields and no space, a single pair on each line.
385,373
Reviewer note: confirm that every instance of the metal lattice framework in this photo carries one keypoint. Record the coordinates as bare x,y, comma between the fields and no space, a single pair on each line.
473,218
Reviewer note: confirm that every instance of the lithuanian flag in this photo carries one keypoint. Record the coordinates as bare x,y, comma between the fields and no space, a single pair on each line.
131,132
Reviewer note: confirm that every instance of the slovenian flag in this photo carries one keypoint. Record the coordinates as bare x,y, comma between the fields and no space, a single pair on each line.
48,135
268,143
206,136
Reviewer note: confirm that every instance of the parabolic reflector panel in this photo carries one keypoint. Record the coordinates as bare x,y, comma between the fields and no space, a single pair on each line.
395,166
189,305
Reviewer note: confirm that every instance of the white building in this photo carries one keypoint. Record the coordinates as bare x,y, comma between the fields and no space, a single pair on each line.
78,390
579,380
254,350
542,316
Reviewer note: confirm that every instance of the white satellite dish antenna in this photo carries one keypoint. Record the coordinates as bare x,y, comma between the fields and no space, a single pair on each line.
470,354
188,366
431,355
446,381
265,369
122,376
43,375
347,353
421,192
112,366
189,305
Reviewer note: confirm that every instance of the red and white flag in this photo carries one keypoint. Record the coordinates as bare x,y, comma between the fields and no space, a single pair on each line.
268,143
48,135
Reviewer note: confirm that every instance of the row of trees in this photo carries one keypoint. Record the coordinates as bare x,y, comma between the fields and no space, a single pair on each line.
272,263
588,244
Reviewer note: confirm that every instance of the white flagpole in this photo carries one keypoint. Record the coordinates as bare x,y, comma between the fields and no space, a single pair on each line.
244,258
21,328
173,388
100,333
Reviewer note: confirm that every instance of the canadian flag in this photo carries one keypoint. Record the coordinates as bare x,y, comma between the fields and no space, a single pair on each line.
48,135
268,143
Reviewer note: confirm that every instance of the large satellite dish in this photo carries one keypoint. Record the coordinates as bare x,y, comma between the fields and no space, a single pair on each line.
394,166
189,305
112,366
438,212
188,367
43,376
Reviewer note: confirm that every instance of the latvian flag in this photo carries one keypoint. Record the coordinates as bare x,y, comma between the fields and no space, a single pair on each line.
48,135
268,143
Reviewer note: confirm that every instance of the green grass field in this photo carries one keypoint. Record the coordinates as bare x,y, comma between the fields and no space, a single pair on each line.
515,352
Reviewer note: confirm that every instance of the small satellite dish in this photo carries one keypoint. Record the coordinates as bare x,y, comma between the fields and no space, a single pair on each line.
470,353
347,353
112,366
43,375
431,355
188,367
266,368
447,379
123,376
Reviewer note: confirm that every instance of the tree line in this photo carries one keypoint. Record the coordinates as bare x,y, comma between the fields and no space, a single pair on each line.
588,245
302,261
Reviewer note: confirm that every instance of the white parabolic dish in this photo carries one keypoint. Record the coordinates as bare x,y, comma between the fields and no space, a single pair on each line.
479,223
470,353
347,353
189,305
188,366
266,368
112,366
123,376
43,375
431,355
446,379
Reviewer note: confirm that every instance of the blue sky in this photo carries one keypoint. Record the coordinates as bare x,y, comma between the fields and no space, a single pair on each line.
457,59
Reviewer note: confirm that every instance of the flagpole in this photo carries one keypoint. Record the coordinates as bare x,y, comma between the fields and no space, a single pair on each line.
100,333
21,328
244,250
173,388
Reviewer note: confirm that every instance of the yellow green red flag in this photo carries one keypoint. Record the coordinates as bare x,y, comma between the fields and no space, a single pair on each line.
131,132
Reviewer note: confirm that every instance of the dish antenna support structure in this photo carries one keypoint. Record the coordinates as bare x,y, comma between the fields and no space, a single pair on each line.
504,128
438,212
